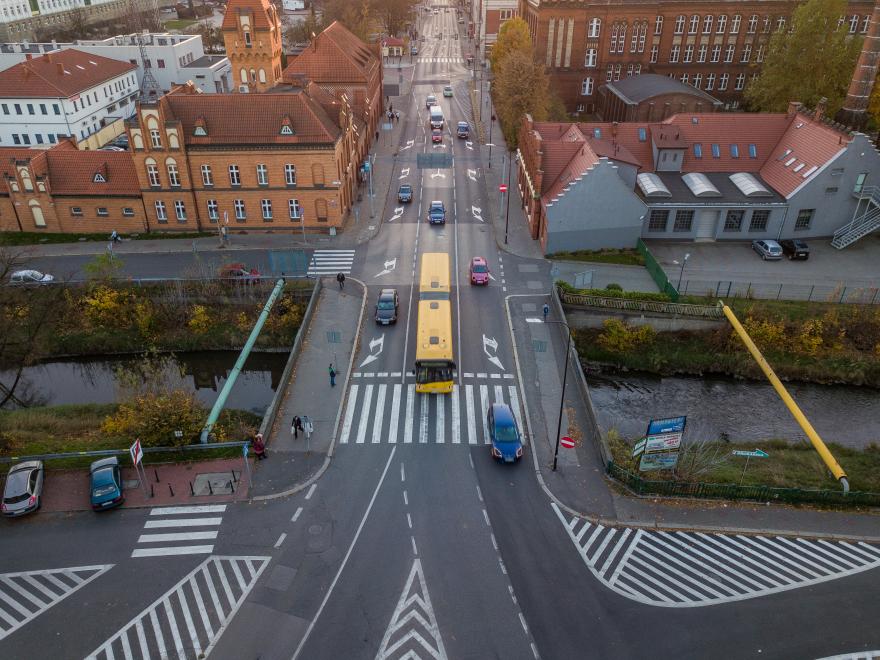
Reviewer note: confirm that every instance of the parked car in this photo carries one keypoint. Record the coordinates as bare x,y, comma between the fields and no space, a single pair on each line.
436,136
504,434
437,213
387,306
447,91
24,488
413,50
479,271
795,248
404,193
463,130
431,100
767,249
239,272
30,277
105,489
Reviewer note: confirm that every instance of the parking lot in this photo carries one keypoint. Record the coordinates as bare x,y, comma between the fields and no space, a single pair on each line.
735,269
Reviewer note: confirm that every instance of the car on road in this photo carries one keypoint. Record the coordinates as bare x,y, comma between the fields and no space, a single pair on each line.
794,248
436,136
413,51
437,213
431,100
436,12
105,487
767,249
387,306
404,193
238,272
30,277
504,434
463,130
478,273
24,489
447,91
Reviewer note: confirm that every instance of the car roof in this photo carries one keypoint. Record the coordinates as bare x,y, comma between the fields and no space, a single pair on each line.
770,242
502,413
26,466
463,123
27,272
387,292
436,202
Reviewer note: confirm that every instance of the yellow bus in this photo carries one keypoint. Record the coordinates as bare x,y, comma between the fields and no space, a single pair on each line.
434,363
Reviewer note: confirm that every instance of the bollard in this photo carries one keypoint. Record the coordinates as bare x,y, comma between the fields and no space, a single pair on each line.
210,487
152,494
234,478
192,491
232,486
171,489
156,472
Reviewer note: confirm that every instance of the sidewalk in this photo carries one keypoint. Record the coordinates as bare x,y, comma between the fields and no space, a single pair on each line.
330,338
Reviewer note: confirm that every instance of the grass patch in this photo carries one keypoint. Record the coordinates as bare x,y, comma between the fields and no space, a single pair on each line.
178,23
10,238
623,256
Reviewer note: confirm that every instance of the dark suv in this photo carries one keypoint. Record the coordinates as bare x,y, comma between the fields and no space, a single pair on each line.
386,307
794,248
437,213
404,193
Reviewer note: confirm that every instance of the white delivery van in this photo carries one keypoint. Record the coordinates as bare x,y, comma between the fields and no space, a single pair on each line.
436,117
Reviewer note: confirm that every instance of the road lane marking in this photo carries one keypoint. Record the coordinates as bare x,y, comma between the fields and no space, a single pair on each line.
410,411
177,536
456,416
296,515
440,422
182,522
187,510
469,404
395,413
349,414
365,415
173,551
311,491
380,413
423,421
280,539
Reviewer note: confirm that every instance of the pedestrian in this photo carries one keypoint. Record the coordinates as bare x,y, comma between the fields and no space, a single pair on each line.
259,447
377,136
295,426
340,277
114,237
397,115
332,376
390,107
546,311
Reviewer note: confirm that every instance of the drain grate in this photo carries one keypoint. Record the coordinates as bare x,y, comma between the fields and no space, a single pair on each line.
539,346
334,337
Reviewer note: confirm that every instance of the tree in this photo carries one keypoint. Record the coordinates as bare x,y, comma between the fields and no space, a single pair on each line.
302,31
393,14
356,16
520,87
512,37
815,59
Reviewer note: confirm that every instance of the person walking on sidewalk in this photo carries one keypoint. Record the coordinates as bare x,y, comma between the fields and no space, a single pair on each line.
340,277
332,376
546,311
259,447
114,237
296,426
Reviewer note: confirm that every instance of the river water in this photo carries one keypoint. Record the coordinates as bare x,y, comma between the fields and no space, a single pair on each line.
746,411
95,380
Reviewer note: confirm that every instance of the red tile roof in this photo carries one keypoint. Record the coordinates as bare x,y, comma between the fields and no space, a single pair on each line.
59,74
8,156
583,159
259,10
335,55
73,172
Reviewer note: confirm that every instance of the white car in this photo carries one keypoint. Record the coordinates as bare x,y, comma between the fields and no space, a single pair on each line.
767,249
30,277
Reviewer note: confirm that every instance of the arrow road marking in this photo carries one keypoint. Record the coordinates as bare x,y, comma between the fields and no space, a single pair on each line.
469,145
404,173
478,213
409,144
493,344
398,212
492,277
438,173
389,266
472,175
373,356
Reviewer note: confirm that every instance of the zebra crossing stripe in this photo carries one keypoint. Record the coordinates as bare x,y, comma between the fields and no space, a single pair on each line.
349,414
423,421
441,422
395,412
514,404
484,401
456,417
365,417
330,261
380,412
410,410
469,403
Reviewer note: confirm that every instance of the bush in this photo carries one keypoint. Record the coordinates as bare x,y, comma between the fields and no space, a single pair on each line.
154,418
618,337
613,286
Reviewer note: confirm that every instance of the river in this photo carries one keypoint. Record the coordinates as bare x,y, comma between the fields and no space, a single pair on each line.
744,411
95,380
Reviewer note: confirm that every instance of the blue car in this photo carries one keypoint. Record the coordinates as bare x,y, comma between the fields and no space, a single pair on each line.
105,490
507,444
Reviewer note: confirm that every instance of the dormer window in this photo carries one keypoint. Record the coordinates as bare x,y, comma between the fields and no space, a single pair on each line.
99,178
200,131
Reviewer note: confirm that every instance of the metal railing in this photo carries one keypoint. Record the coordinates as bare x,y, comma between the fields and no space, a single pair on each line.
677,309
847,292
122,452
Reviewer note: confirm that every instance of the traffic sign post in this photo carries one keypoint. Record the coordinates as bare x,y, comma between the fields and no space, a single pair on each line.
757,453
137,457
567,442
503,187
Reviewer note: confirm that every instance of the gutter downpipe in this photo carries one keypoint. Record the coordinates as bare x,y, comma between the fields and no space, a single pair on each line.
239,363
820,447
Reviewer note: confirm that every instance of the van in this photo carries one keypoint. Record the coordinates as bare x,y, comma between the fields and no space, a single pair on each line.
436,117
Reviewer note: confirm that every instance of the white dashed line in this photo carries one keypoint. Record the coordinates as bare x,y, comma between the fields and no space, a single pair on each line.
311,491
280,539
296,515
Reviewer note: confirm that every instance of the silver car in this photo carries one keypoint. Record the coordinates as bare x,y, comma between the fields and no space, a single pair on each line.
30,277
767,249
24,488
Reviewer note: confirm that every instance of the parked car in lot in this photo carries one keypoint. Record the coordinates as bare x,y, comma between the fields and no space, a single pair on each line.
447,91
463,130
24,489
767,249
431,100
795,248
437,213
239,272
404,193
387,306
506,440
436,136
479,271
30,277
105,489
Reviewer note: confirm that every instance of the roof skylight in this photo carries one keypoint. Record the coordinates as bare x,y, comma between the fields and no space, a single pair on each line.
700,185
651,185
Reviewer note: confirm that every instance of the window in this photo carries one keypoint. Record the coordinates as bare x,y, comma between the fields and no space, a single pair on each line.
153,175
734,220
52,138
127,212
18,109
746,54
679,25
102,211
866,21
722,81
43,109
262,175
658,220
658,25
728,52
721,25
595,26
853,23
716,150
247,39
76,211
587,87
155,138
759,220
759,56
685,79
753,24
5,109
753,151
734,151
614,32
716,53
622,41
266,206
634,41
294,208
684,220
831,190
688,53
740,82
590,58
655,51
180,210
160,63
213,210
674,53
698,150
698,80
734,24
207,176
780,24
701,54
39,137
860,183
234,177
804,218
707,24
239,209
643,30
290,174
643,134
173,175
695,24
56,108
30,108
616,73
609,73
161,212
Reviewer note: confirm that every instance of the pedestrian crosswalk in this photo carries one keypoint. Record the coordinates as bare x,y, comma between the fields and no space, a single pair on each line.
192,523
396,413
25,596
694,569
186,621
330,262
451,60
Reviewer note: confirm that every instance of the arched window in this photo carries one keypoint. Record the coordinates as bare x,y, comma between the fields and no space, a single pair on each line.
26,179
595,27
173,173
138,140
173,142
253,76
243,76
262,75
37,212
152,172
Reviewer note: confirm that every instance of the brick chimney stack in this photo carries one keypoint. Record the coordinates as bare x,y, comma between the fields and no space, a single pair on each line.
854,112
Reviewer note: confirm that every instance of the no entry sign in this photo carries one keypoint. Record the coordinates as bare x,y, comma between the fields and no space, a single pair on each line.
503,187
567,442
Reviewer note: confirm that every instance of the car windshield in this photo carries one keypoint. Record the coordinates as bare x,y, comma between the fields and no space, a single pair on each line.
506,434
386,304
405,189
102,477
479,268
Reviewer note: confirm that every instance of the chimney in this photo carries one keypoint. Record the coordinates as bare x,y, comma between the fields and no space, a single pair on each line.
49,57
854,112
793,108
60,68
28,57
821,106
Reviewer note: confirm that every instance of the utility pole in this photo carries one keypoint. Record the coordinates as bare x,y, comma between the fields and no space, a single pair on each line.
507,213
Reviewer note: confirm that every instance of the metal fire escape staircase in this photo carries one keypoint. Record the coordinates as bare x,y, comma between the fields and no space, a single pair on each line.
866,218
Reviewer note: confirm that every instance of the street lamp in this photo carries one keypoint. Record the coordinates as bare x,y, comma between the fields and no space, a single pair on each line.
510,162
562,395
681,272
490,140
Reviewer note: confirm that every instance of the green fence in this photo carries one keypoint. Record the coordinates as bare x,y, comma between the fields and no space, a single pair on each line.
657,271
675,309
735,492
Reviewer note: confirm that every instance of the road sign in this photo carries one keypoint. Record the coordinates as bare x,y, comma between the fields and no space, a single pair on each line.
137,454
639,447
757,453
662,442
567,442
503,187
664,461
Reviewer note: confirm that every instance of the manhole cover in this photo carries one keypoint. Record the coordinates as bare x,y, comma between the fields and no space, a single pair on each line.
314,530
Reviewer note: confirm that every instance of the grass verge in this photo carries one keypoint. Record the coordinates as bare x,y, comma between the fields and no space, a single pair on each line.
178,23
623,256
10,238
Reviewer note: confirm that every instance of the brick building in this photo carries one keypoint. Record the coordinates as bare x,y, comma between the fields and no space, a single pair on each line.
651,97
713,45
252,36
283,159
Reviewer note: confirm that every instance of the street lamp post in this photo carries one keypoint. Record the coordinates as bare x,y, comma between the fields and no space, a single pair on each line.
507,212
491,121
562,395
681,272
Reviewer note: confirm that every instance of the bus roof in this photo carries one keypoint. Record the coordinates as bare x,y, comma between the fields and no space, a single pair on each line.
435,273
434,341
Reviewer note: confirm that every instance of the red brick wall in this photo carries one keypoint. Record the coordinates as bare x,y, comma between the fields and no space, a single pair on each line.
8,217
91,222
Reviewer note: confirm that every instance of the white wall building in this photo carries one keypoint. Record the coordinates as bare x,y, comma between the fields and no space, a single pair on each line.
66,93
21,19
172,58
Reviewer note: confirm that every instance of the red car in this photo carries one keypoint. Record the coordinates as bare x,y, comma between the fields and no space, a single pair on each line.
436,136
239,272
479,271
